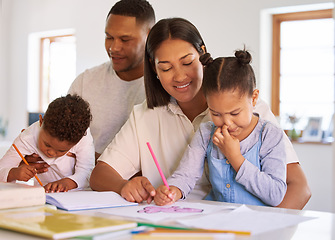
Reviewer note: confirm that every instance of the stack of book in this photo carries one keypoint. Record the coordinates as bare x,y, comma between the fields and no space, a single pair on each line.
23,209
56,224
14,195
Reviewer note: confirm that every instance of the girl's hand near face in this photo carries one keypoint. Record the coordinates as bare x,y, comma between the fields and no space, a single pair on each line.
62,185
165,196
229,146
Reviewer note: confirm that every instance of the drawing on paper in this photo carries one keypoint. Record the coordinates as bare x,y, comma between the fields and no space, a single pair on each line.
172,209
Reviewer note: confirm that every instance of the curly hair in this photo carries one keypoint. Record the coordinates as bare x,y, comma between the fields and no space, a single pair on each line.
67,118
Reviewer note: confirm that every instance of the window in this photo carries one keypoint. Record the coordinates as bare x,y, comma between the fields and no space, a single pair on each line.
57,66
303,67
51,67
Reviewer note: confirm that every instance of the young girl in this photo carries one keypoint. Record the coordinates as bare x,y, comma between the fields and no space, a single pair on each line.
64,129
245,154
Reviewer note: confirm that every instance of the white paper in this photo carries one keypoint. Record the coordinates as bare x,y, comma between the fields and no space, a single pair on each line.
83,200
154,213
245,219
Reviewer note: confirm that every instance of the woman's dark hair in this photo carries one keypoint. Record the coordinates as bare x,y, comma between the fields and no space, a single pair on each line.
170,28
228,73
67,118
140,9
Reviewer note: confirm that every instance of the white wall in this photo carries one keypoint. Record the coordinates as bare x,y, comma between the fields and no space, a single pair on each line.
224,24
317,162
3,64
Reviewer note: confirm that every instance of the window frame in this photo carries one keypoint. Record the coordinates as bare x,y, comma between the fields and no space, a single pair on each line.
277,19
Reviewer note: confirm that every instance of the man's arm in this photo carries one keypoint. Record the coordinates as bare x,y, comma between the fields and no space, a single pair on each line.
298,192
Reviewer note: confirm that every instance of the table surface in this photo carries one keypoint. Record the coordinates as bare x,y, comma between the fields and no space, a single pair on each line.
320,228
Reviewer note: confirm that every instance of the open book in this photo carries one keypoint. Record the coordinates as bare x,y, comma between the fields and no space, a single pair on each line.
55,224
83,200
13,195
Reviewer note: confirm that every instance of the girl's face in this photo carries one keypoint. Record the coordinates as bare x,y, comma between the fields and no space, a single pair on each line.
179,69
234,110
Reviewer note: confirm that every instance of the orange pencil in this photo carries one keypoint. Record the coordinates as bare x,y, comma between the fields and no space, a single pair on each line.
25,161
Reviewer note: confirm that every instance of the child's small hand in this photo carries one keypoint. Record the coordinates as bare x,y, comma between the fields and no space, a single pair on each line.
21,173
36,161
227,143
62,185
164,196
229,146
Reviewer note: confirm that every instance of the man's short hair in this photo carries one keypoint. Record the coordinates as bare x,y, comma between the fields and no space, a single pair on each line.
140,9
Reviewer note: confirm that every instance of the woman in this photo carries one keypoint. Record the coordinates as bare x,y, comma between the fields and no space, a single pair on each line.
174,108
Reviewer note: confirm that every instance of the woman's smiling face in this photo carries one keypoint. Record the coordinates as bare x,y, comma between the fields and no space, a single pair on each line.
179,69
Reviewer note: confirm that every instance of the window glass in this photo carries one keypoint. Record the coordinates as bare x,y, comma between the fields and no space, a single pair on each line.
307,71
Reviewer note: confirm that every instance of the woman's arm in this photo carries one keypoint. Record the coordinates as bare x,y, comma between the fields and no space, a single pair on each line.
102,177
106,178
298,192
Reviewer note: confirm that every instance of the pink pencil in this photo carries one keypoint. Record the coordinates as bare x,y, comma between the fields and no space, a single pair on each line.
158,167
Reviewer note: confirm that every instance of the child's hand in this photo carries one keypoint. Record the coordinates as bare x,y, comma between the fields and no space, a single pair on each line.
164,196
62,185
229,146
21,173
36,161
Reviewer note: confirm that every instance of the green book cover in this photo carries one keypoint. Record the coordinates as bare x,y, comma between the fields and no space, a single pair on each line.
57,224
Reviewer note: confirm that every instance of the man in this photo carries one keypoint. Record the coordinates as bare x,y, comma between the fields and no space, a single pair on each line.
114,87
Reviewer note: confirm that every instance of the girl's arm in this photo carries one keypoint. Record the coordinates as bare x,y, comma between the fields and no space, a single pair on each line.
269,183
298,192
191,166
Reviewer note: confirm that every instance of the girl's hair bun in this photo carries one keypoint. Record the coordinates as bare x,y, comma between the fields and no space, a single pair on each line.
206,59
243,56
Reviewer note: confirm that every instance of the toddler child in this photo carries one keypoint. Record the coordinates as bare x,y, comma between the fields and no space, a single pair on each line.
63,140
245,154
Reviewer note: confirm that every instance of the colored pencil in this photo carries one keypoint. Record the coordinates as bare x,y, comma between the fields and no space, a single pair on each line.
184,236
25,161
158,167
162,226
175,229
